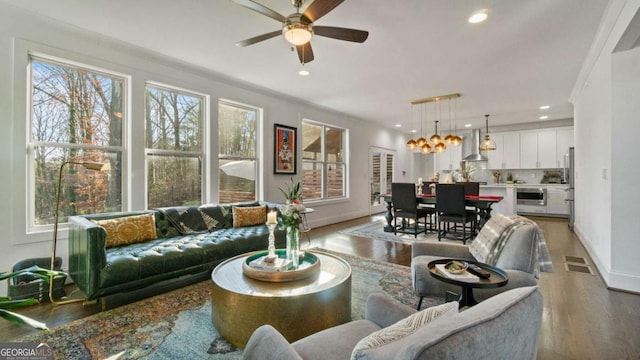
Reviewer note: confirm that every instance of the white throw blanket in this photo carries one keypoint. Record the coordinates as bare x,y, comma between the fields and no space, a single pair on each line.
488,245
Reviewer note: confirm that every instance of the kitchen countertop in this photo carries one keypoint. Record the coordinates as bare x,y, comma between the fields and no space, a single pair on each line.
526,185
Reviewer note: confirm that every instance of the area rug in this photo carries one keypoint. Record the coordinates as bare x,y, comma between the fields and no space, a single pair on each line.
177,324
375,230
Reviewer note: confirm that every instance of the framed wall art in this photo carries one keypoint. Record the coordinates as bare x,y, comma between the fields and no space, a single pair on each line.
285,152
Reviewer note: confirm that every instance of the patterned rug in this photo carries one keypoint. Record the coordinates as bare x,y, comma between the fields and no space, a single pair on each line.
375,230
177,324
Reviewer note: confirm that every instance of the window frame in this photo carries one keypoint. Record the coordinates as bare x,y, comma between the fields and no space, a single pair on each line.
31,56
325,163
204,139
258,187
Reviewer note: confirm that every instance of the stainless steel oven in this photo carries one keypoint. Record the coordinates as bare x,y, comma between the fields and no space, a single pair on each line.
531,196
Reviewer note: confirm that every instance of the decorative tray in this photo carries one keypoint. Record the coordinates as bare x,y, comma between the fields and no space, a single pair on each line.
309,265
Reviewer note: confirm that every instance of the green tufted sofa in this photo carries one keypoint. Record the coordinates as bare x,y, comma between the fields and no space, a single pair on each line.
100,271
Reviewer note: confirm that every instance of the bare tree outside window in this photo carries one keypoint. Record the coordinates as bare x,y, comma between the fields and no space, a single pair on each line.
76,114
237,148
174,151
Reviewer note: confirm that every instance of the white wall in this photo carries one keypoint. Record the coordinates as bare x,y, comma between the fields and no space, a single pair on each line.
21,32
607,129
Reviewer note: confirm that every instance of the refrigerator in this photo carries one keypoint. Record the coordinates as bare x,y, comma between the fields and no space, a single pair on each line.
570,174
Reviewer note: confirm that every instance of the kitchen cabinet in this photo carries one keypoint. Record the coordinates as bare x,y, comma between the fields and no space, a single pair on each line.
564,140
507,153
538,150
556,204
449,160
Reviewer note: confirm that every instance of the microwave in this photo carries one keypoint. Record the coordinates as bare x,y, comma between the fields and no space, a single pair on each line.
531,196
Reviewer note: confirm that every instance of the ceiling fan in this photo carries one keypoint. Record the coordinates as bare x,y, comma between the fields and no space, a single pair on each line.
298,28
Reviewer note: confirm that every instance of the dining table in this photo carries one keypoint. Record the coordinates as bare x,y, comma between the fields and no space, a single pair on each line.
481,202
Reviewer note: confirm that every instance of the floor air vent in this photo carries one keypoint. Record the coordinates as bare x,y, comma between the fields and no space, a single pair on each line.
575,259
578,268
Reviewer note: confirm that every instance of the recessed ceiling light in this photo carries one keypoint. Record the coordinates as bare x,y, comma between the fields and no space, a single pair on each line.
544,107
303,72
544,117
398,125
414,131
467,125
478,17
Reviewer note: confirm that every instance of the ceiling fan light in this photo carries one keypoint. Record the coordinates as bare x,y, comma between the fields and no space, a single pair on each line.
297,34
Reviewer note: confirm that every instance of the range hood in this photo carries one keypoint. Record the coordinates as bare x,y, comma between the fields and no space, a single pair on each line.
471,147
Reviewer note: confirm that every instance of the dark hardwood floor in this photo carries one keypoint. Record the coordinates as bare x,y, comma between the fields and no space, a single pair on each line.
582,319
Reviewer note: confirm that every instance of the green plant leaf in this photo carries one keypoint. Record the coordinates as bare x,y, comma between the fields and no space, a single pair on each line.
21,319
14,304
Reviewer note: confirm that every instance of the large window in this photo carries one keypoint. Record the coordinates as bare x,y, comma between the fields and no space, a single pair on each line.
237,149
76,115
323,161
174,146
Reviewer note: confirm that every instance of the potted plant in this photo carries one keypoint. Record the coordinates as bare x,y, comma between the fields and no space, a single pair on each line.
6,303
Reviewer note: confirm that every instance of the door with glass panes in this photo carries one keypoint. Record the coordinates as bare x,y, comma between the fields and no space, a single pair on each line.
381,176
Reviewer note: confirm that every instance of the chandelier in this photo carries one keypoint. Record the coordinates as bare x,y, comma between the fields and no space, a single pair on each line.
435,143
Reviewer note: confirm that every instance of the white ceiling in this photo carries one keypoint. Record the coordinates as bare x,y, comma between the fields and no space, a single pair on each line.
526,54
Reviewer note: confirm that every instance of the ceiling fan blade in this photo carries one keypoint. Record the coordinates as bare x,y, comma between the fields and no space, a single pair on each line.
261,9
320,8
258,38
305,53
341,33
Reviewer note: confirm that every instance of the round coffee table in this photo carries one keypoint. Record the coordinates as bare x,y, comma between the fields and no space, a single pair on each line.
240,304
498,278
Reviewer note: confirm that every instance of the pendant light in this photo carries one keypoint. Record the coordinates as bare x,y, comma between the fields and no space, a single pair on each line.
411,144
435,138
449,138
425,148
439,146
421,140
487,144
457,140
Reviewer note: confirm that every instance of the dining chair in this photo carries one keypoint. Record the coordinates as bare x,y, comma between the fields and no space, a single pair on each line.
451,208
406,207
473,188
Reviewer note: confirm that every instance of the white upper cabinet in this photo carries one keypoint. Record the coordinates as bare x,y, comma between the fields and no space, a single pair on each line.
449,160
541,149
507,153
529,150
564,142
547,149
538,150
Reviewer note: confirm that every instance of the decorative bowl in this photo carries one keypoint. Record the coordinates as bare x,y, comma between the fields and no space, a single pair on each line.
456,267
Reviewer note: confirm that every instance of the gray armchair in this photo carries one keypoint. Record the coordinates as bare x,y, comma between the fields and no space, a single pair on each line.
506,326
518,258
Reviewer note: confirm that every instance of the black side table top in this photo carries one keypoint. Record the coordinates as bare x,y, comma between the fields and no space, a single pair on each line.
498,278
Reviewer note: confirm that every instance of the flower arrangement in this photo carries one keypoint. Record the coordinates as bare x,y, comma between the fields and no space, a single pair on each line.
292,210
466,170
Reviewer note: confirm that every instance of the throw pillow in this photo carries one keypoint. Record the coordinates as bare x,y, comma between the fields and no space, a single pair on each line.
129,229
186,219
402,328
249,216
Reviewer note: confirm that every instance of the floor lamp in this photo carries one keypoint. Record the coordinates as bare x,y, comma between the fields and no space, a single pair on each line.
87,165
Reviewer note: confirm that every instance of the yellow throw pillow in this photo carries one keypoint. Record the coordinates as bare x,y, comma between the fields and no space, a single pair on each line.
249,215
129,229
